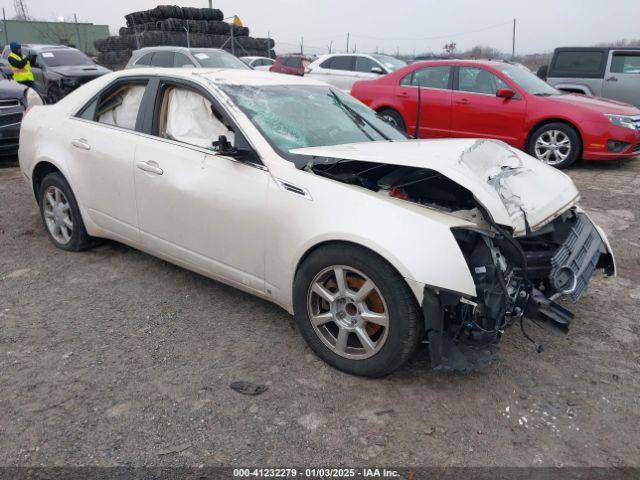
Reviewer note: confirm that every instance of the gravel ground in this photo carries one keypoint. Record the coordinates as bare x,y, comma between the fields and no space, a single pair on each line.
112,357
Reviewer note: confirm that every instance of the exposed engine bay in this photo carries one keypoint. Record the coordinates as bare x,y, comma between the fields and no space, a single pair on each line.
515,277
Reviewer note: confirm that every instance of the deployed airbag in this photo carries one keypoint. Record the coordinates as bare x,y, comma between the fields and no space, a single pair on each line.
124,114
190,119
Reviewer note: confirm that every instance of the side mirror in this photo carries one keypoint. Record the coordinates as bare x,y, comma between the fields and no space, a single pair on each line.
506,93
223,146
377,70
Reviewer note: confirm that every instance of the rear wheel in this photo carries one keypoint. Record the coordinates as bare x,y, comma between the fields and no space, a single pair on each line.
61,215
355,311
394,118
556,144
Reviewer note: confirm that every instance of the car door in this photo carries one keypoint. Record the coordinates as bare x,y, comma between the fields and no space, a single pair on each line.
435,107
622,80
478,113
366,69
198,208
102,139
339,72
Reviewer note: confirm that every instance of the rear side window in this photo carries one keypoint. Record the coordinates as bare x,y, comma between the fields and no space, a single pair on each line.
578,64
428,77
343,62
117,105
145,59
163,59
625,62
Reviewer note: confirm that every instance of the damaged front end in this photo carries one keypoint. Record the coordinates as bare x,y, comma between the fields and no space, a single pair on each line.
527,245
515,278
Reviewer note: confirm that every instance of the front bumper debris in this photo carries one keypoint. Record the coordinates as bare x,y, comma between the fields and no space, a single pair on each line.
464,335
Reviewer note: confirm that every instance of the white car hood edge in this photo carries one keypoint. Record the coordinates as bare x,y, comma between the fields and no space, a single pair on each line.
512,186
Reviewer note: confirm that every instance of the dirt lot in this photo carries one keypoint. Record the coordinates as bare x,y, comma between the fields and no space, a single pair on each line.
112,357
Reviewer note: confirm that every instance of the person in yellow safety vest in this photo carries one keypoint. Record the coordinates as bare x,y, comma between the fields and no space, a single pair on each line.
20,66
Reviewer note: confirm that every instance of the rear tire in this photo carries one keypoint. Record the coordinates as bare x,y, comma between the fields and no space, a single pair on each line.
61,215
556,144
393,118
389,302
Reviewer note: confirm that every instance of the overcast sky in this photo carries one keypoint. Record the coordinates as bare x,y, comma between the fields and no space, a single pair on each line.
406,25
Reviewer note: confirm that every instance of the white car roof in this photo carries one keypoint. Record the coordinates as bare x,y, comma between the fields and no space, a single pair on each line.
224,76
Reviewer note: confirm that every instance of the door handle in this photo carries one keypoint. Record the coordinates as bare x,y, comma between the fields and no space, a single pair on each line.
81,143
463,101
402,94
150,166
612,79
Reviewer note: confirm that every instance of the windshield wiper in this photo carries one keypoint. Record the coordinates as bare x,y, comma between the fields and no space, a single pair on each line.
358,119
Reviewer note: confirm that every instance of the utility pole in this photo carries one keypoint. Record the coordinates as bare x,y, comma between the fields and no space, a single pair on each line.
301,45
75,20
347,42
513,48
330,46
268,43
210,3
355,48
6,34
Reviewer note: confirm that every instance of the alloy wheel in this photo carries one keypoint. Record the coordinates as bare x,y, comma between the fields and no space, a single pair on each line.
552,147
57,215
348,312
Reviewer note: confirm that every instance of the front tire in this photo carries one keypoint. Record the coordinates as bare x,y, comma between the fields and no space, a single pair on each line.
556,144
356,311
61,215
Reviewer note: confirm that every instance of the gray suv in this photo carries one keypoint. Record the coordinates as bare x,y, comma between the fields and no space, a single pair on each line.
603,72
182,57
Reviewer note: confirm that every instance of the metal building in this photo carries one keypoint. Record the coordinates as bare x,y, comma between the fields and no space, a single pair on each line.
79,35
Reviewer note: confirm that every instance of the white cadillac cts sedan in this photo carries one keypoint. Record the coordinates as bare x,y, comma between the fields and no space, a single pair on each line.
295,192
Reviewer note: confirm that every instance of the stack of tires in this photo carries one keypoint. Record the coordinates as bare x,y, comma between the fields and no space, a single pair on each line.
168,25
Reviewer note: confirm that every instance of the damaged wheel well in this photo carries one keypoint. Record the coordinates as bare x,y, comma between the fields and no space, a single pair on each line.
42,170
547,121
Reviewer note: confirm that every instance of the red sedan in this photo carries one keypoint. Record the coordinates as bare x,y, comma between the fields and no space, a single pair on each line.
502,100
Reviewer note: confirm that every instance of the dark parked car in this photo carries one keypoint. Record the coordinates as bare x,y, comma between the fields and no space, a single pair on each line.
14,100
291,64
57,69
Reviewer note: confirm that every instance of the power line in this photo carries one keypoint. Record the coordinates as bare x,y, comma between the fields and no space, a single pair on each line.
439,37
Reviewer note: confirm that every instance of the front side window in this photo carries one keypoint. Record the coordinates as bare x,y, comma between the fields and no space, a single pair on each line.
428,77
479,80
117,106
187,116
296,116
623,62
365,64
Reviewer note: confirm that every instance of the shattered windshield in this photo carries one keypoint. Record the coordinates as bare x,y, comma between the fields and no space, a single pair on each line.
298,116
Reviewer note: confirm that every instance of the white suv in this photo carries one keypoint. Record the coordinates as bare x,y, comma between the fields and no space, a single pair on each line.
342,70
